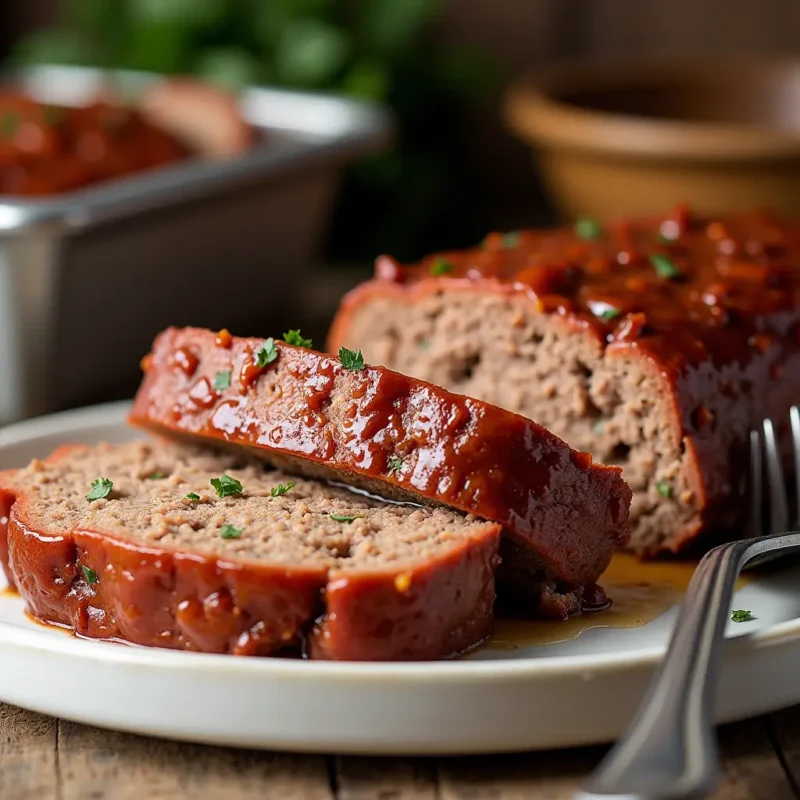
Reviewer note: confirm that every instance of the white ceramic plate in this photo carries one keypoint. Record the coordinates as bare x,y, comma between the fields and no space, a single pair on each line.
576,692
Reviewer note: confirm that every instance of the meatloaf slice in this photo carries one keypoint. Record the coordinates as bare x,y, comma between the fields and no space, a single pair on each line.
653,344
160,559
391,435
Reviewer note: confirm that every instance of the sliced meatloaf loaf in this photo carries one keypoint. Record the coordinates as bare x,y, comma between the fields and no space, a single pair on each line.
653,344
338,419
172,546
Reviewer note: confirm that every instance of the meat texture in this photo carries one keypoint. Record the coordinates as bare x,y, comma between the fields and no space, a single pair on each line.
391,435
652,344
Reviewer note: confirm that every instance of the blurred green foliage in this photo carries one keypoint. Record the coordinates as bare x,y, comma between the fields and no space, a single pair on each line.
416,198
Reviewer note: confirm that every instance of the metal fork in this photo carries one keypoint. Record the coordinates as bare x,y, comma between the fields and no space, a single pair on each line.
669,752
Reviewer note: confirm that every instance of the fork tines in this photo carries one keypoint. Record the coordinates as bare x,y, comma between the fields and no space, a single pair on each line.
780,519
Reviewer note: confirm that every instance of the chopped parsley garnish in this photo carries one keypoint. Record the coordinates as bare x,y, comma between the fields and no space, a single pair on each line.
225,486
193,496
510,239
588,229
101,487
229,532
441,267
9,123
89,574
664,266
664,489
267,354
395,463
609,313
344,517
598,428
156,476
277,491
425,344
351,359
294,337
741,616
222,381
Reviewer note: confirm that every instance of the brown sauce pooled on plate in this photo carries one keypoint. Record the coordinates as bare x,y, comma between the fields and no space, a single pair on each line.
639,593
49,625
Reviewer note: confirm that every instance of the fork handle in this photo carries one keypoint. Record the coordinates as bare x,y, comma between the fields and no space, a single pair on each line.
669,751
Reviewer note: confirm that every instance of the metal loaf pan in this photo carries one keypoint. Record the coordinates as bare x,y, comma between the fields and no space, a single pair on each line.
87,279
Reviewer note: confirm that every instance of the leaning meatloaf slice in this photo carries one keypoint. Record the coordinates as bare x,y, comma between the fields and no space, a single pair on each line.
162,560
655,344
393,435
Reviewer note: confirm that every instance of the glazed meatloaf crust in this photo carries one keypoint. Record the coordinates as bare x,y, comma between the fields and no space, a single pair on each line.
652,344
160,559
398,437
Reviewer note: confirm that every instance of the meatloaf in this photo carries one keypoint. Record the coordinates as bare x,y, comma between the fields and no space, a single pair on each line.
48,150
172,546
338,419
654,344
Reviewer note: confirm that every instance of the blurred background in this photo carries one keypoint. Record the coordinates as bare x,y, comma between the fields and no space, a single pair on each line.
457,169
442,65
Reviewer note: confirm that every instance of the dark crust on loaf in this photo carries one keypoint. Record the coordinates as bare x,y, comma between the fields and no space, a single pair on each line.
702,381
306,413
173,597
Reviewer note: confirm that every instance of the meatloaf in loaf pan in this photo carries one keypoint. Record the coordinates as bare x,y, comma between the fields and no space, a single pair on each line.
172,546
654,344
338,419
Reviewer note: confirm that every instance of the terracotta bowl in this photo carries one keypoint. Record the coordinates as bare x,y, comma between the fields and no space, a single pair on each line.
618,139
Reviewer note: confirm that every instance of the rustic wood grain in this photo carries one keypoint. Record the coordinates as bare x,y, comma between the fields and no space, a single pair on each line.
41,759
28,769
101,765
385,779
545,776
751,769
784,731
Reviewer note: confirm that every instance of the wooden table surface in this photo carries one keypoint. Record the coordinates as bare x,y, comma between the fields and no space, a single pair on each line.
43,758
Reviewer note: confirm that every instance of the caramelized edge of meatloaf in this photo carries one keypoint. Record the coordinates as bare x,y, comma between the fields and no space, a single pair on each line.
391,435
158,558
